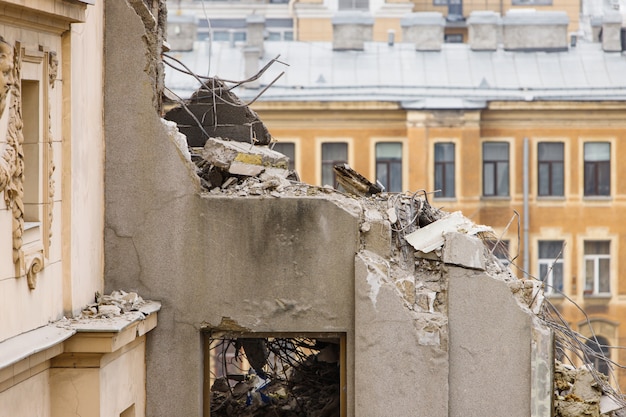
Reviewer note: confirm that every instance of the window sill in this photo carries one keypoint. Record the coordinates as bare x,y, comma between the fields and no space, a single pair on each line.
496,198
550,198
597,299
450,199
598,198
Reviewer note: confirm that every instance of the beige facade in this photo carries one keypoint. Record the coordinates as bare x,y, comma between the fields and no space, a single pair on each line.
51,221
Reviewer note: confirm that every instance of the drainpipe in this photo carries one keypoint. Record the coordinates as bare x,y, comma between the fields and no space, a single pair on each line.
526,220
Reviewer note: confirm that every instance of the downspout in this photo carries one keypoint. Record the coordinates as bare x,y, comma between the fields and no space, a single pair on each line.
526,219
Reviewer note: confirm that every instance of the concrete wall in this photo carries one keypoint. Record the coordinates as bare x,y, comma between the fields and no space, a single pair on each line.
285,264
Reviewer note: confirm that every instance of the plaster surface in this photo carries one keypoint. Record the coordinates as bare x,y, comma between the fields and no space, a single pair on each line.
490,347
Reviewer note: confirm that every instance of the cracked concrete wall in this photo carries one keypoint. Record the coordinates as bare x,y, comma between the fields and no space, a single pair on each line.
206,258
288,265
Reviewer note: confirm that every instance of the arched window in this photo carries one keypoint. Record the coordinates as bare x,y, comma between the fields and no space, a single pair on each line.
600,347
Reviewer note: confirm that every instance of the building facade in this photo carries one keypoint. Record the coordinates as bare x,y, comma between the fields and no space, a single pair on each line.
52,361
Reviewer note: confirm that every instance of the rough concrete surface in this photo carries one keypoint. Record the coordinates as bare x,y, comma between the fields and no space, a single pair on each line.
281,258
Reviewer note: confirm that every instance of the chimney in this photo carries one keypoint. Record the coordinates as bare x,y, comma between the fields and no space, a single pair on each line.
532,30
611,32
251,56
424,29
255,32
483,30
351,29
596,26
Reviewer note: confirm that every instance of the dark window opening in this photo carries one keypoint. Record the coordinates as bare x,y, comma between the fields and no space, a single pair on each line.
274,375
389,165
496,169
288,149
550,170
599,354
597,169
444,170
333,153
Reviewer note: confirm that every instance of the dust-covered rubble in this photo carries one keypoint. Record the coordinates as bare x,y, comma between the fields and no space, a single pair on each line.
578,392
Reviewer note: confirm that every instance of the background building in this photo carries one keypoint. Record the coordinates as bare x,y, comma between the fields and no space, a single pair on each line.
532,125
311,20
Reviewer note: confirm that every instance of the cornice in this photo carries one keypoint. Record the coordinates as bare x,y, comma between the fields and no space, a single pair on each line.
52,16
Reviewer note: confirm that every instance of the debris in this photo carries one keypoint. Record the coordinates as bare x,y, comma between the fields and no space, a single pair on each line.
301,377
113,305
214,111
355,183
431,236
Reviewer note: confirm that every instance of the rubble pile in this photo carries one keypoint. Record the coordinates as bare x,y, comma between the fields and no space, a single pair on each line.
113,305
578,392
300,386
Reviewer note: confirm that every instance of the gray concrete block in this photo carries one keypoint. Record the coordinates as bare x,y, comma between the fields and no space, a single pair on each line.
424,29
483,27
464,250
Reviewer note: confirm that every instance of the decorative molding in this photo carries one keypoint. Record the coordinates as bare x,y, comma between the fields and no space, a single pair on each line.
34,265
28,259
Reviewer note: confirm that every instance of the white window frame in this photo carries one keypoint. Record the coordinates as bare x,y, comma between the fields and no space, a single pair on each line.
549,264
595,258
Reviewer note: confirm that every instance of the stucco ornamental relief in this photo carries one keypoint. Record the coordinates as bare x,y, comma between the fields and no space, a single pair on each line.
31,261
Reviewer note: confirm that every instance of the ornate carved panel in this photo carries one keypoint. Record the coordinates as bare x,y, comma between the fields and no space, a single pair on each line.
28,257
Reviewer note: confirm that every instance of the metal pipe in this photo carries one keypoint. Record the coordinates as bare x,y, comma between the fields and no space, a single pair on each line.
526,214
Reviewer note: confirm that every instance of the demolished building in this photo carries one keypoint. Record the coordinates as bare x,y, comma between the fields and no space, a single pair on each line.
435,330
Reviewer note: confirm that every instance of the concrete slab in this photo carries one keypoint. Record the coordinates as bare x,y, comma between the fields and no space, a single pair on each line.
464,250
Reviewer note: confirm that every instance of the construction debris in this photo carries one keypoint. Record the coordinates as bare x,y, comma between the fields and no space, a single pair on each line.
578,392
214,111
355,183
115,304
286,377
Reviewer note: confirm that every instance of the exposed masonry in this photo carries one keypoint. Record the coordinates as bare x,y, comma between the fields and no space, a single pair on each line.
407,247
443,327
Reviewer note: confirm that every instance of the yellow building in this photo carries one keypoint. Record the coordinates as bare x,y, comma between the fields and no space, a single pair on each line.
491,130
312,20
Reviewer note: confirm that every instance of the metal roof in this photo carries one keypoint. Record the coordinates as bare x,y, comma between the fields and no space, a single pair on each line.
455,77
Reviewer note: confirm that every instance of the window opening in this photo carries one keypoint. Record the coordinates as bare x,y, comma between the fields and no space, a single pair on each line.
275,374
288,149
551,265
333,153
597,267
31,130
600,353
597,168
495,169
444,169
550,170
389,165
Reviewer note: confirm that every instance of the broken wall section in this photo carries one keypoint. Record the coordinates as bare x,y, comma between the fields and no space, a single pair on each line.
443,306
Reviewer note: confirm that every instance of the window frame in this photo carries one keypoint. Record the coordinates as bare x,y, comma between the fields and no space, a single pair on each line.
550,288
330,163
596,258
600,345
495,163
598,168
445,165
291,155
389,162
552,165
